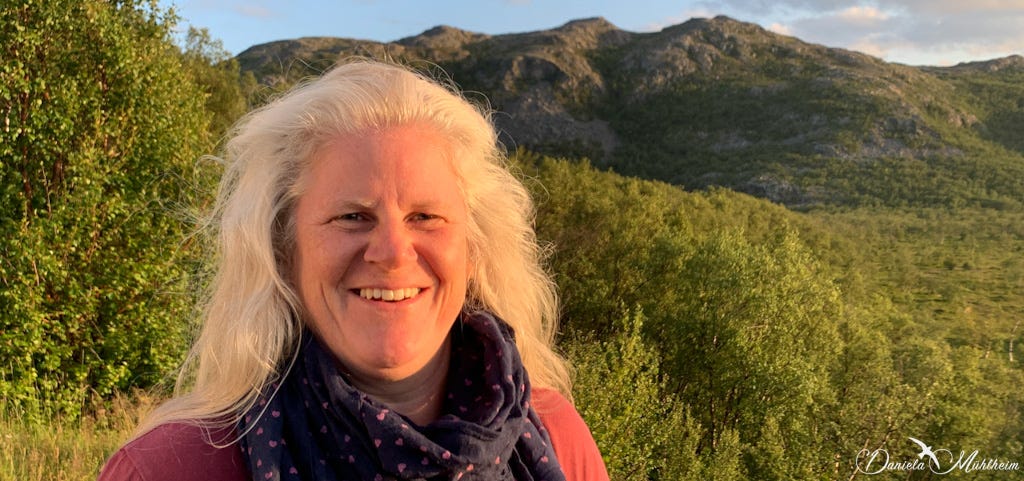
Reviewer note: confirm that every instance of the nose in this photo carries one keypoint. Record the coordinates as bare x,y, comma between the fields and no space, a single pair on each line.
390,245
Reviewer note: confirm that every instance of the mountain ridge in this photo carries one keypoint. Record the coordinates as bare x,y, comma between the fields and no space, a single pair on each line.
715,101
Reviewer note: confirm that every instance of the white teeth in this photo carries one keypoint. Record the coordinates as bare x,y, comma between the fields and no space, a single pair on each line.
392,295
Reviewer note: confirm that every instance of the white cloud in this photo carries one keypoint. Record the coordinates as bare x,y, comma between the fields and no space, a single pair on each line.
778,7
909,6
958,6
863,15
971,27
979,35
872,47
909,31
845,28
780,29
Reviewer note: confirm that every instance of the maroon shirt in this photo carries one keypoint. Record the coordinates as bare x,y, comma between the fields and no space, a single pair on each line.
182,452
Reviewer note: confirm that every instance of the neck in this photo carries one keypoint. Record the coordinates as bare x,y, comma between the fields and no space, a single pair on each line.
418,397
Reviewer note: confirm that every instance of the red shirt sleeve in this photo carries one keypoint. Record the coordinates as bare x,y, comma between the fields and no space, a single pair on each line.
178,452
574,445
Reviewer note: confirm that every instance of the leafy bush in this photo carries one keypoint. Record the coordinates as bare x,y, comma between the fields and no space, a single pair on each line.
644,432
102,129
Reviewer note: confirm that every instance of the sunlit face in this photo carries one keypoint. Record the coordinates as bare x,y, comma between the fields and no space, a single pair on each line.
381,257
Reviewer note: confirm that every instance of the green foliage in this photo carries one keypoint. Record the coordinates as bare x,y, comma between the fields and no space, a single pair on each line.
801,141
101,132
999,100
789,342
740,331
594,221
621,241
217,73
751,343
646,434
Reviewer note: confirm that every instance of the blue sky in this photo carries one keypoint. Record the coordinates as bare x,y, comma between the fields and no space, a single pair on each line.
915,32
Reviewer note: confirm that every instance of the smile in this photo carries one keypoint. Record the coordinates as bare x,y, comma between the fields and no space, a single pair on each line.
392,295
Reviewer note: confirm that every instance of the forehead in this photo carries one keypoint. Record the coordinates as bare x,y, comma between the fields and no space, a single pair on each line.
402,162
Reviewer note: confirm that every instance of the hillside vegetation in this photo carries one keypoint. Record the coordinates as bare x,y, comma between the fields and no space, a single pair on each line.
771,255
716,102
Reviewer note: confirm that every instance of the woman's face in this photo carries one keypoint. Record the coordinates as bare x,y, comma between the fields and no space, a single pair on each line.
381,256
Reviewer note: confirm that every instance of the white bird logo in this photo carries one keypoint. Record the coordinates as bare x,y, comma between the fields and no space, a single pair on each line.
926,451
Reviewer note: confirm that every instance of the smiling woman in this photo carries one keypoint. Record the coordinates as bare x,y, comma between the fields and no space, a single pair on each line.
379,310
382,216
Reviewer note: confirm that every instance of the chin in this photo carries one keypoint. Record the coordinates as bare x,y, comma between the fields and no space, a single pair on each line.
393,363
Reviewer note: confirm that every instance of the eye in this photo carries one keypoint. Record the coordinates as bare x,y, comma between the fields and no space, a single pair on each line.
420,217
423,220
351,217
352,221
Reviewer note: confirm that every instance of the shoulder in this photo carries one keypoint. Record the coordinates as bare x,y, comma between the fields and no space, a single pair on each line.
178,452
574,445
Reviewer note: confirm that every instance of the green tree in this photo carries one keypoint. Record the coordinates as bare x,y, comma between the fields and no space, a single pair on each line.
101,132
225,88
872,401
643,431
750,348
616,240
739,314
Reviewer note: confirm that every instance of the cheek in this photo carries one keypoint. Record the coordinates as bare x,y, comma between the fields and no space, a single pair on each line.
456,275
318,264
450,259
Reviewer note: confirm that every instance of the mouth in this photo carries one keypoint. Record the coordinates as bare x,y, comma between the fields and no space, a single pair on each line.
387,295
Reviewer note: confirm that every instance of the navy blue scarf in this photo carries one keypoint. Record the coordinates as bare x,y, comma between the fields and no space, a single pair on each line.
318,427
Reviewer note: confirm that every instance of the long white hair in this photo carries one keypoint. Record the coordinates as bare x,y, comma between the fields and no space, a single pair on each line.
251,322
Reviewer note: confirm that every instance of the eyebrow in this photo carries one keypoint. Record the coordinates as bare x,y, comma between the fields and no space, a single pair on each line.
429,204
357,204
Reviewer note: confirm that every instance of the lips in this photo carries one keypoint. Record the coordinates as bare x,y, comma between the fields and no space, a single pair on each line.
388,295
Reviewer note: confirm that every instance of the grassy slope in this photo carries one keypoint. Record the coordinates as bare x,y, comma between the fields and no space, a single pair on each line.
66,450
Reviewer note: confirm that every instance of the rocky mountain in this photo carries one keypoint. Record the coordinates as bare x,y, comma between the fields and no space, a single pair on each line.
721,102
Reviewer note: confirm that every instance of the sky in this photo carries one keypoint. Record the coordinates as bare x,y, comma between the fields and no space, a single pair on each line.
913,32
